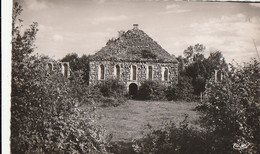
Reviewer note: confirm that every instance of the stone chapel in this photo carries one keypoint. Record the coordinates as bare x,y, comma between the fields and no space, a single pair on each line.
132,58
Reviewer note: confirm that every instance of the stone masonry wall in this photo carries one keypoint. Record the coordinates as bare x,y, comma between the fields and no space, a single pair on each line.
125,71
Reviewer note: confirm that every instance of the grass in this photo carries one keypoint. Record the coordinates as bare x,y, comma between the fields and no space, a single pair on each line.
131,120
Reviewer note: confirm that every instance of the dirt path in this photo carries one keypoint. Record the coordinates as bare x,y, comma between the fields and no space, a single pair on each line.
130,120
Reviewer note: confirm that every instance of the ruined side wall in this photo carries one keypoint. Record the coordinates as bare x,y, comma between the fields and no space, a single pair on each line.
125,71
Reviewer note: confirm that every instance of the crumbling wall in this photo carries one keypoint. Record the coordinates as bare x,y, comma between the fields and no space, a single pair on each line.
63,67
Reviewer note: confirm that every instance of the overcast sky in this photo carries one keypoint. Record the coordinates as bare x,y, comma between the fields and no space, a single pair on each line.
84,26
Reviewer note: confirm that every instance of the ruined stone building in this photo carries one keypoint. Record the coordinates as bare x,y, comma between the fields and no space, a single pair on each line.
62,67
133,58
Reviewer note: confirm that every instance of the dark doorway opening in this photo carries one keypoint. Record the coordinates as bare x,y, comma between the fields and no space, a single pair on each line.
133,89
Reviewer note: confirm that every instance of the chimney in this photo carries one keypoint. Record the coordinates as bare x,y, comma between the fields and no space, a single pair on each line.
135,26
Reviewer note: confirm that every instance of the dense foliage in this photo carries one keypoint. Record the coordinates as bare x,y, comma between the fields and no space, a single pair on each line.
173,139
45,106
200,69
152,90
110,92
232,109
183,90
155,90
78,64
194,71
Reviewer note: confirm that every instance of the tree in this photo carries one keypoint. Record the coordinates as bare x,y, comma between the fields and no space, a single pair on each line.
215,61
199,68
22,46
195,67
194,53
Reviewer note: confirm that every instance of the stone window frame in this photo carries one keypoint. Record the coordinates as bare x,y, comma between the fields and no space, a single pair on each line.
132,73
117,76
50,66
163,73
148,72
218,76
65,70
100,72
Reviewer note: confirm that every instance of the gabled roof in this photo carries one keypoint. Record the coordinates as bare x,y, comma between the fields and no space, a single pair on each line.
133,45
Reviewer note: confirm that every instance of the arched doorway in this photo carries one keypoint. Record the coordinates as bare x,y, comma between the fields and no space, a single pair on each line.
133,89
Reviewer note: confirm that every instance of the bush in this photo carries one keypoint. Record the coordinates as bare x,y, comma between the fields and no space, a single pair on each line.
182,139
172,139
231,109
110,92
111,87
152,90
183,90
46,113
155,90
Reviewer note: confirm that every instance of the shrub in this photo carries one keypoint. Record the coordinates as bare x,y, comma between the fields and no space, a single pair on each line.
183,90
110,92
152,90
182,139
155,90
172,139
46,114
111,87
231,109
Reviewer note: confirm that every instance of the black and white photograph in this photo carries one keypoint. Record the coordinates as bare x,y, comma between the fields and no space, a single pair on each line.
131,77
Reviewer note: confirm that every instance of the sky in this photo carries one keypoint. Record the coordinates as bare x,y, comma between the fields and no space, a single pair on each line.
84,26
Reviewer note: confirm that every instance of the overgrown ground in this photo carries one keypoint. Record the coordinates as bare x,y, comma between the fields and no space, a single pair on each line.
133,119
